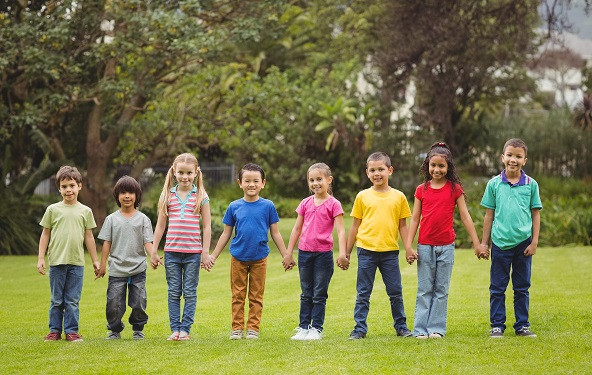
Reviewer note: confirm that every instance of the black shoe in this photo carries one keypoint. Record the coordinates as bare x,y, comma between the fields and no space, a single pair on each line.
496,332
525,332
404,332
356,335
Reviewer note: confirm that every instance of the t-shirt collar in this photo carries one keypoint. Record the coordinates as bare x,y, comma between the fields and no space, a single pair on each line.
193,189
520,182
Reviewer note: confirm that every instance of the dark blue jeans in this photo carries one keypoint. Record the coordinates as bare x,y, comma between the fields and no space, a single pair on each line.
65,282
116,290
501,263
316,269
388,264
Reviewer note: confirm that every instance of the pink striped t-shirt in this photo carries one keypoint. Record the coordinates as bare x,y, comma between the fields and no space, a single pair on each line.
184,233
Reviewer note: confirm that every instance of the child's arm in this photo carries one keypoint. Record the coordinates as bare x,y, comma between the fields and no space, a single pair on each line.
411,255
342,260
403,229
487,223
536,228
43,242
279,242
153,253
294,235
222,241
480,250
206,236
91,246
159,229
105,250
351,237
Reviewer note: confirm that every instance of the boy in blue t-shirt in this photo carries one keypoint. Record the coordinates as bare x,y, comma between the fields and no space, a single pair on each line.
512,218
251,217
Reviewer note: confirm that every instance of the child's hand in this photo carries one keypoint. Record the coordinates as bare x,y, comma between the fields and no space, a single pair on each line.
530,250
41,266
288,262
96,266
482,252
410,256
343,262
101,271
206,261
155,260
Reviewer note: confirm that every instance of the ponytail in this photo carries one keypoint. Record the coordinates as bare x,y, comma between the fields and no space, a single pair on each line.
201,191
163,201
168,183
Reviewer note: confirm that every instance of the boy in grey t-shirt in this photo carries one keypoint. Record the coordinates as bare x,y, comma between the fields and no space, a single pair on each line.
127,232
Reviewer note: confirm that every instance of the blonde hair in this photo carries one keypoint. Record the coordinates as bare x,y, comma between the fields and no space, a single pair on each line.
325,170
168,182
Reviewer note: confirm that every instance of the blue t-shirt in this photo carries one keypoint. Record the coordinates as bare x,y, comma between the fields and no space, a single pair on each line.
251,222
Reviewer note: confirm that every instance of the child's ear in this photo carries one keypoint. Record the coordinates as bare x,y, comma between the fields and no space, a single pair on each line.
238,181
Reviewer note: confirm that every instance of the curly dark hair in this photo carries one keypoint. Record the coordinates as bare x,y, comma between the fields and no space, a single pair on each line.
440,149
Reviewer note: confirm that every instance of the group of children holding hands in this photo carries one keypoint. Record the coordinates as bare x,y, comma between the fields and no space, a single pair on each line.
380,213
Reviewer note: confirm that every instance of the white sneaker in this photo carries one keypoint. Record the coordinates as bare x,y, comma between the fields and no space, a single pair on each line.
252,335
237,334
314,334
300,334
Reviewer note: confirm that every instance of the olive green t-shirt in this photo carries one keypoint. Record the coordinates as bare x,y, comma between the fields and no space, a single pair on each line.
67,223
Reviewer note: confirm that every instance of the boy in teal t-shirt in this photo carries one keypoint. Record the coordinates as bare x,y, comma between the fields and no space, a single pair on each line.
512,218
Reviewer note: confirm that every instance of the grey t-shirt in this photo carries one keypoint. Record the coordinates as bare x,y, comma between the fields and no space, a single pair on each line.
127,237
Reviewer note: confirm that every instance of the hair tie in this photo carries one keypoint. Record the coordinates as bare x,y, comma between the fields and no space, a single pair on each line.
441,144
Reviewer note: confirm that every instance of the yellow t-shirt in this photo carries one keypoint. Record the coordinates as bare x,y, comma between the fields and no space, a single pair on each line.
380,213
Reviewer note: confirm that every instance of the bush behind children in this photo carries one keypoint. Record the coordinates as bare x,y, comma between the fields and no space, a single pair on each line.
512,223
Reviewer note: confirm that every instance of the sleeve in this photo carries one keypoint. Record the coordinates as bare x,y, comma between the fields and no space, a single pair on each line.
106,233
337,209
46,220
206,200
90,220
229,216
273,214
535,199
419,192
148,233
405,210
358,208
301,209
488,200
457,191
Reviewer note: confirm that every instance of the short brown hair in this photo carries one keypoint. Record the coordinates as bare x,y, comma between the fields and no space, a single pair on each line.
379,156
516,142
127,184
67,172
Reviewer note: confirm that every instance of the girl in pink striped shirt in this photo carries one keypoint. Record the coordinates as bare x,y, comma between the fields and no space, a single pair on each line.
189,233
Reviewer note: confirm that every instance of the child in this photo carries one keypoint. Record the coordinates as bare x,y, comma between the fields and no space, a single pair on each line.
252,217
67,225
317,215
512,217
379,214
127,232
435,200
187,208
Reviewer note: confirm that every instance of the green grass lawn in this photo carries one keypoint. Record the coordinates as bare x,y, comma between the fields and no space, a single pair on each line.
560,306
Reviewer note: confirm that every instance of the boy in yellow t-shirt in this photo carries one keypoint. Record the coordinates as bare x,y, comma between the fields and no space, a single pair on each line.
379,213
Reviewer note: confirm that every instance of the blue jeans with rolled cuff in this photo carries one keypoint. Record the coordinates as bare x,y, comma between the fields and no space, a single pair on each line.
316,270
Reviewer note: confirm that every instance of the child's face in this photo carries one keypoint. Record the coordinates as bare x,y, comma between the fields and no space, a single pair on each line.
69,190
438,167
514,159
127,200
378,173
185,174
251,183
318,183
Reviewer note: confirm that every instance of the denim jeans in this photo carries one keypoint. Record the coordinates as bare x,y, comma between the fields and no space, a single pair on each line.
501,263
316,269
388,264
116,290
434,269
65,282
182,275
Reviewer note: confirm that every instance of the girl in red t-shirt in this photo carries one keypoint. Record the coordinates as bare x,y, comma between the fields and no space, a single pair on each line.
435,200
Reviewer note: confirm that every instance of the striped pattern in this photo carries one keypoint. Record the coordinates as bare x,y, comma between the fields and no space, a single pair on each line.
184,234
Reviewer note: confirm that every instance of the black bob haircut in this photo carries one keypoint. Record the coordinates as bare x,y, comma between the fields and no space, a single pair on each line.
127,184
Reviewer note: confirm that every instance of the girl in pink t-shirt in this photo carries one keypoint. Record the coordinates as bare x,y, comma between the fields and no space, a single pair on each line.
435,200
317,215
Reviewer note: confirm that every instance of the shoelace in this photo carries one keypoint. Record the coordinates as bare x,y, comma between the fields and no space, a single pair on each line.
496,329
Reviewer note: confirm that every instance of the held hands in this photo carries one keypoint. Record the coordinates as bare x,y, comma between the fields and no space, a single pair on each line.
101,271
410,256
97,267
343,262
482,251
207,261
155,260
288,262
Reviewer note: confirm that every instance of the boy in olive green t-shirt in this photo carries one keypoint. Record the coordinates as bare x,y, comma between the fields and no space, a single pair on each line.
67,227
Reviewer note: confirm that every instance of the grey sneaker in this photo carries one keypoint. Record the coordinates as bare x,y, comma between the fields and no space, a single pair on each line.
138,335
113,336
496,333
404,332
237,334
355,335
252,335
525,332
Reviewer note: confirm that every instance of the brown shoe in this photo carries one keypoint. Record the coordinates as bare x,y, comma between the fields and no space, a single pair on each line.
73,337
53,336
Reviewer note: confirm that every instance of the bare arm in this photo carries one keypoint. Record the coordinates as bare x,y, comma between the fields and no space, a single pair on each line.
222,241
342,260
481,251
159,229
288,260
43,243
411,255
105,250
536,228
351,237
277,239
206,235
403,229
91,246
487,223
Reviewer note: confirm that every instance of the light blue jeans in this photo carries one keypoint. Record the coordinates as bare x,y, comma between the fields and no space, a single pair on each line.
434,269
182,275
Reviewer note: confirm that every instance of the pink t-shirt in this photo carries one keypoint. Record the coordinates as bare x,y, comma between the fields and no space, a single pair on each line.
317,228
437,213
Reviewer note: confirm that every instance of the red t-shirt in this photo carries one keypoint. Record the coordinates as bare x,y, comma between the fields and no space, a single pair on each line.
437,213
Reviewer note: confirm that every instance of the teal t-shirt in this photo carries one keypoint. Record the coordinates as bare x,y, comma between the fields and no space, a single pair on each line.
512,205
67,223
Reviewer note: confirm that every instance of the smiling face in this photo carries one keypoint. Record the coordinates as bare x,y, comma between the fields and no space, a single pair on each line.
69,190
185,173
127,200
379,173
318,182
438,168
514,159
251,182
